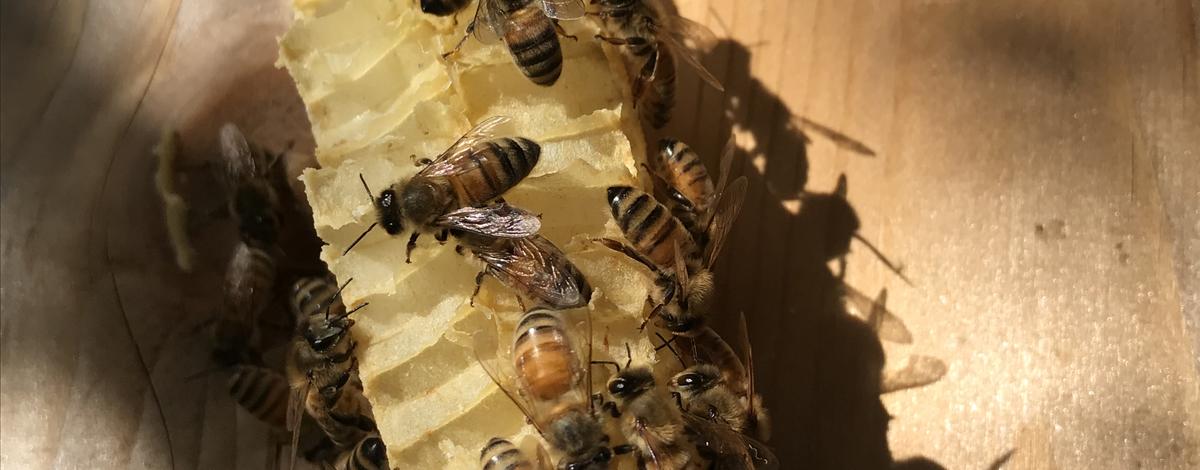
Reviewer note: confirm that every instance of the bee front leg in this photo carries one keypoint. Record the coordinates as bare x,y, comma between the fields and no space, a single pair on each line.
412,243
478,284
562,32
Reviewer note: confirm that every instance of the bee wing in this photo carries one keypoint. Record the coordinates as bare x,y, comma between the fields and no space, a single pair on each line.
652,441
919,371
726,163
886,324
681,272
236,153
295,416
726,210
564,9
494,23
456,159
497,220
749,352
731,449
491,366
540,267
686,39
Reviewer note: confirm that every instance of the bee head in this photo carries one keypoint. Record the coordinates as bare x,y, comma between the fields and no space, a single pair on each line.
582,441
374,451
389,212
631,382
696,379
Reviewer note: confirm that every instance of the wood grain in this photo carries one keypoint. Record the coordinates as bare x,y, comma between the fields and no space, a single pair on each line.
1032,165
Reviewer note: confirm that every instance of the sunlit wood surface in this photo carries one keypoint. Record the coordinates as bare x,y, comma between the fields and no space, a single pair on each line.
1032,165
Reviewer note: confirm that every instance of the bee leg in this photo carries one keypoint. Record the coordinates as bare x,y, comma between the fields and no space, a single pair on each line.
408,249
623,449
467,33
458,249
678,400
442,236
562,32
611,408
478,284
420,161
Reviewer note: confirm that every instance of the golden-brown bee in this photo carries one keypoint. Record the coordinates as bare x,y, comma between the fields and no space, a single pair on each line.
368,454
443,7
449,192
720,388
529,30
322,370
551,385
248,291
254,199
657,39
681,176
533,266
650,422
262,392
682,267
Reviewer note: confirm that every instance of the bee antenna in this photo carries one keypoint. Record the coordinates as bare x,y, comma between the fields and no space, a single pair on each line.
667,344
355,309
360,237
336,295
629,353
370,195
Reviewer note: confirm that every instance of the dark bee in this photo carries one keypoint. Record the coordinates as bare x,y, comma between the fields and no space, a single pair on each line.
261,392
322,370
656,39
650,422
254,200
443,7
550,384
533,266
448,193
721,388
529,30
368,454
249,284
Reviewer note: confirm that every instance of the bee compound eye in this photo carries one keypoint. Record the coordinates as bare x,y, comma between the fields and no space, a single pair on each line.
617,386
604,455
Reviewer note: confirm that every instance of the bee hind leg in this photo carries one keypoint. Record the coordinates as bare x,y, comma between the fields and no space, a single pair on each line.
478,283
408,249
562,32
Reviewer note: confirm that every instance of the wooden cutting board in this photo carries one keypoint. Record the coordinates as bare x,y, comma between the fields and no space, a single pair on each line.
1032,165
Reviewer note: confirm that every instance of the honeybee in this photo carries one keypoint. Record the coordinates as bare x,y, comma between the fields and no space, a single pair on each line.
322,370
254,200
682,268
500,453
248,291
368,454
552,387
533,266
680,174
443,7
721,389
262,392
651,424
448,193
658,40
529,29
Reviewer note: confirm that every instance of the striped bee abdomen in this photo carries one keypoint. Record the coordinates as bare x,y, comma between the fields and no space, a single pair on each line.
533,43
648,225
262,392
249,281
685,172
658,99
369,454
499,164
500,454
312,294
546,364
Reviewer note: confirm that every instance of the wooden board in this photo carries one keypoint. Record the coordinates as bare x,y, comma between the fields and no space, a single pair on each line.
1033,165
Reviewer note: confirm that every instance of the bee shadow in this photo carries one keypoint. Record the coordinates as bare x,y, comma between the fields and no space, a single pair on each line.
818,367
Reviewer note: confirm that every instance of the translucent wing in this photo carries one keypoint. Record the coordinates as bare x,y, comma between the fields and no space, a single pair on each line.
652,442
564,9
725,212
693,35
491,366
726,163
537,267
497,220
456,159
918,371
681,272
714,350
494,23
749,352
236,153
295,416
727,448
886,324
